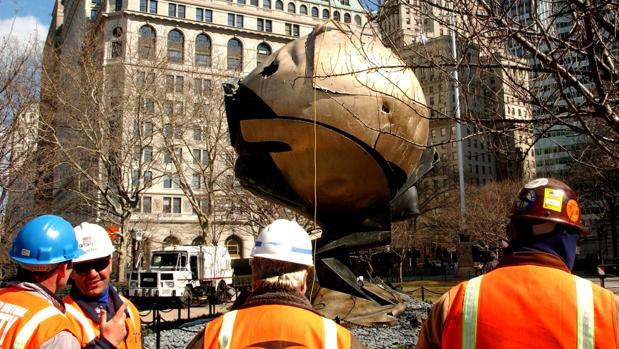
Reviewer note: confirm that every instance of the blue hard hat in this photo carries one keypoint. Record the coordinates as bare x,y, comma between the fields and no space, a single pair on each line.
45,240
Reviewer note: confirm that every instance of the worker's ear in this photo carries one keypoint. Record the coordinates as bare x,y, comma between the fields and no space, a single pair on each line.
303,287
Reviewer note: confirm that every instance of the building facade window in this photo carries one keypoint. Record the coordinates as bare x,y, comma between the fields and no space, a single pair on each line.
315,12
292,29
147,204
148,178
152,6
279,5
303,10
179,84
118,5
235,20
325,14
347,18
235,55
148,154
198,241
266,4
196,181
263,51
204,15
176,45
234,246
167,182
200,156
336,15
197,133
146,42
291,8
203,50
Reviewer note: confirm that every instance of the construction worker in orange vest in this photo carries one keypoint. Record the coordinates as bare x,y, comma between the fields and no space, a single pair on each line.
530,300
102,317
31,316
277,314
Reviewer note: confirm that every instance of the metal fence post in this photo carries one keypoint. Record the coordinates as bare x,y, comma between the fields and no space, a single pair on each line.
422,294
188,307
158,334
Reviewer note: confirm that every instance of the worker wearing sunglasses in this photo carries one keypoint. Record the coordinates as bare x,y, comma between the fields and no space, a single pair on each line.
101,316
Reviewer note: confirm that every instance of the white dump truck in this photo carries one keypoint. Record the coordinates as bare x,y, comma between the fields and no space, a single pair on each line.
183,272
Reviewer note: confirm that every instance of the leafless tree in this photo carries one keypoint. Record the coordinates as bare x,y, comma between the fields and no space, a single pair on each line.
104,161
19,69
568,49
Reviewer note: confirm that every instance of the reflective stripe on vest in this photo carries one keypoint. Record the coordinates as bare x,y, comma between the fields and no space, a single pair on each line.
585,321
227,327
330,333
28,329
469,313
586,325
84,322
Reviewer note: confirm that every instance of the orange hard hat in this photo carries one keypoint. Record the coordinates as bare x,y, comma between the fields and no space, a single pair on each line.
550,200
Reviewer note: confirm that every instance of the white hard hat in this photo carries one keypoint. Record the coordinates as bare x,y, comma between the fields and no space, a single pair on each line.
284,240
94,240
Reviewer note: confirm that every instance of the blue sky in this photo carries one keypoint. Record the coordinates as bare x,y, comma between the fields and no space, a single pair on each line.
25,19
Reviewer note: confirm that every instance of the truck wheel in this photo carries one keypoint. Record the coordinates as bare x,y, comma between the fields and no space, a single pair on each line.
187,294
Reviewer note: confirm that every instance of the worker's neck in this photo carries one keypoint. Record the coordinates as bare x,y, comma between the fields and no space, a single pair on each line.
51,283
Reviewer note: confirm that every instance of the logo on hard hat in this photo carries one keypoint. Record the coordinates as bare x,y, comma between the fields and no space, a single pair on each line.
573,211
526,201
553,199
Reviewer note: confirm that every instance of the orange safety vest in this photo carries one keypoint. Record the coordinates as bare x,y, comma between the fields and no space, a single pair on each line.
528,306
274,326
87,330
27,320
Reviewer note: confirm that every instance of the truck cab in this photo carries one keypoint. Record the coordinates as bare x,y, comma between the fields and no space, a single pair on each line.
182,272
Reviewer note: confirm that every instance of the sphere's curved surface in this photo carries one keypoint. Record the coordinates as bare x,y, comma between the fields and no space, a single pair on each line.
333,119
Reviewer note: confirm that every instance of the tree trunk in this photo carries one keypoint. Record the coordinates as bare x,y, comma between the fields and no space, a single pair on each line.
124,252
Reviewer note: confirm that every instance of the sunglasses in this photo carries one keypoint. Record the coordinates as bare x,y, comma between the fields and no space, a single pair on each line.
96,264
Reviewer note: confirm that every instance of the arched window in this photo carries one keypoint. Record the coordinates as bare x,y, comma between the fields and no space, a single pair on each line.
315,12
346,17
325,14
336,15
291,8
171,240
235,55
264,51
176,45
203,50
266,3
234,246
146,42
358,20
279,5
198,241
303,9
117,42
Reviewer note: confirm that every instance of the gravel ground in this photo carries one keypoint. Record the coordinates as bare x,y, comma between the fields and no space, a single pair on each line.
402,335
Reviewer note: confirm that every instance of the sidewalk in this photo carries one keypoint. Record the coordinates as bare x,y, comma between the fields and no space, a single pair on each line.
172,315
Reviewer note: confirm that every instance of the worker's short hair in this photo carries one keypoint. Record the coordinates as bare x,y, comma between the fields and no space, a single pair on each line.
37,276
274,273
